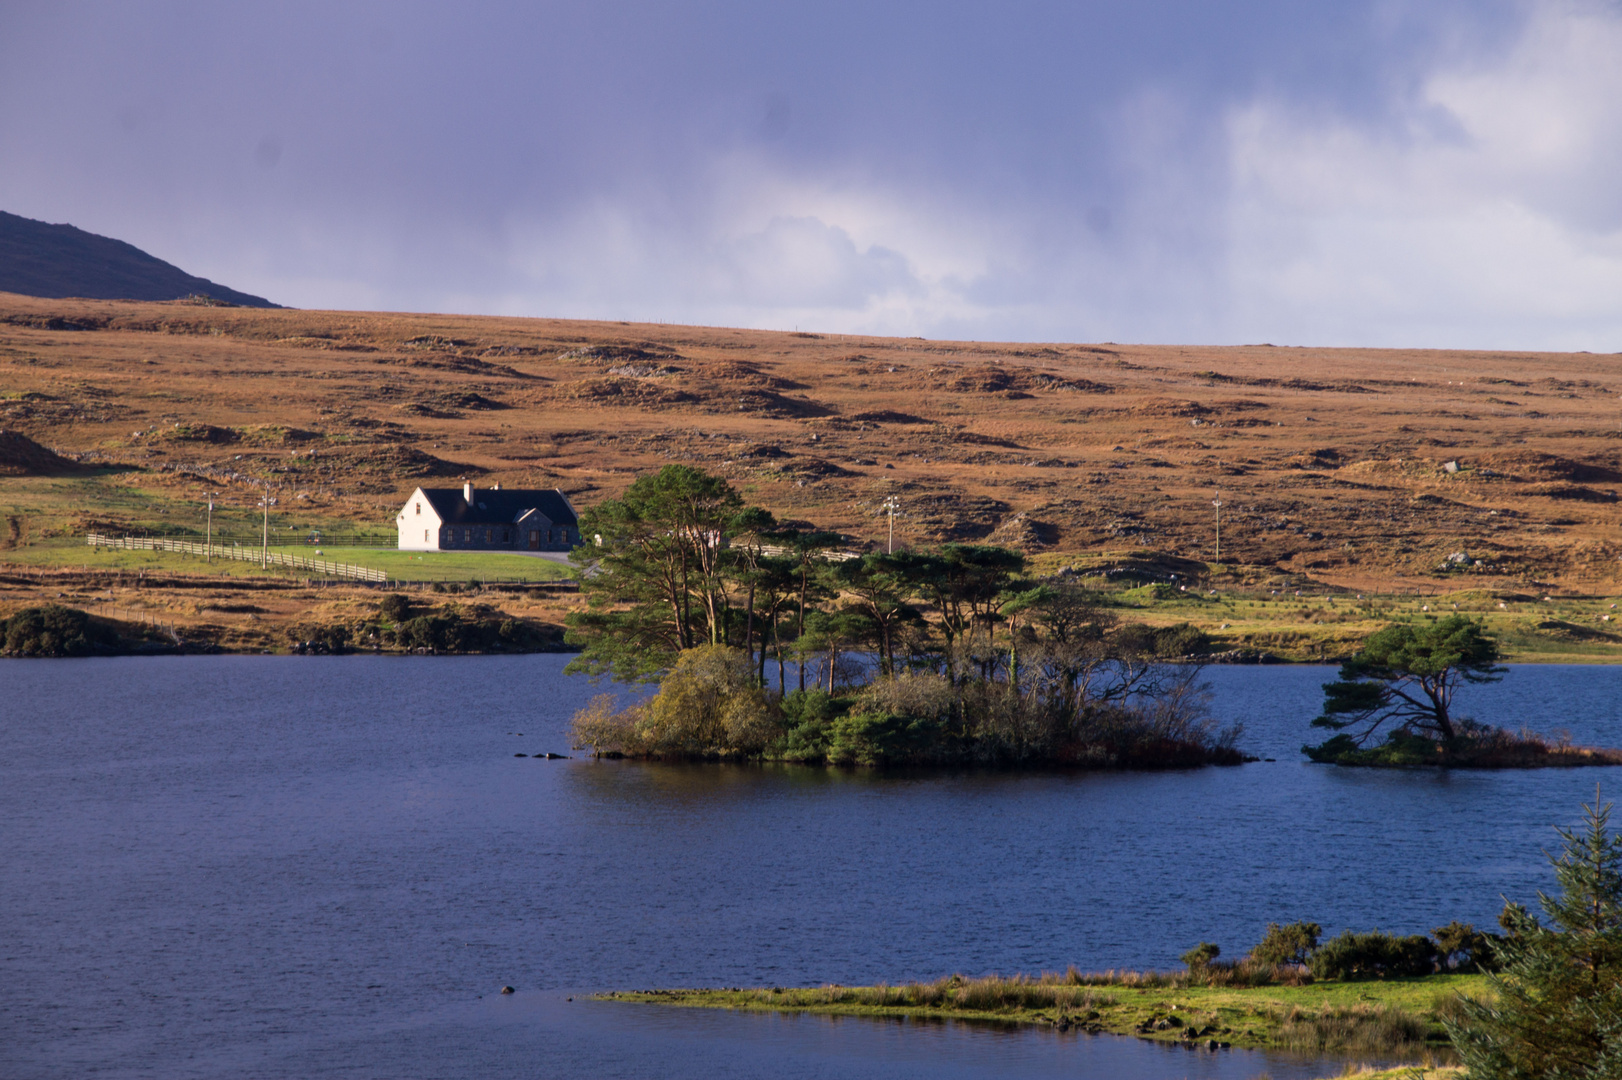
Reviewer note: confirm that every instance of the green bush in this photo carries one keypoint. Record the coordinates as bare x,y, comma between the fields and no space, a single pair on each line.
55,630
1184,639
1461,947
472,629
1200,956
1292,944
1373,955
807,715
395,607
877,738
710,703
1165,642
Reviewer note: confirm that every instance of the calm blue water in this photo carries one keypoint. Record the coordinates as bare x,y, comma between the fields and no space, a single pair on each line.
324,867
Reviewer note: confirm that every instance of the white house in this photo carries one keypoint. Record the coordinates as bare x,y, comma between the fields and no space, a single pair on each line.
491,519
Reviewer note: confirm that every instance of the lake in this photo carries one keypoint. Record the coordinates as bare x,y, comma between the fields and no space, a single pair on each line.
327,867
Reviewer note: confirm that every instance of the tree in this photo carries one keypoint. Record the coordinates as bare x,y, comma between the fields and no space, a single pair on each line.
1407,675
1555,1008
967,585
878,590
655,575
806,549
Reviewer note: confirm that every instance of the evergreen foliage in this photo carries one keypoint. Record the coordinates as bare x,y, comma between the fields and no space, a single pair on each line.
1555,1010
1406,675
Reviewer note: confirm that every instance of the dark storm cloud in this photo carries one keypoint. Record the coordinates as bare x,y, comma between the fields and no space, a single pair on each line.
1136,171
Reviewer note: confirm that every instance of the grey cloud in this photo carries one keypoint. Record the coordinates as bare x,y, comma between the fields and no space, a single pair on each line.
1040,170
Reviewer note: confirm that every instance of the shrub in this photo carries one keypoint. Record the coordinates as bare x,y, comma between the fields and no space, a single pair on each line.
1462,946
807,715
877,738
606,730
395,607
319,637
1373,955
710,703
1292,944
920,695
1167,642
1200,956
54,630
1184,639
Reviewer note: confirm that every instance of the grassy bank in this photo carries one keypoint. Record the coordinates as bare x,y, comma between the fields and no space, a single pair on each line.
1391,1017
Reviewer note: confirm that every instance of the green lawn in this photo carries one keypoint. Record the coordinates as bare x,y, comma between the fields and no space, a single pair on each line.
405,565
442,565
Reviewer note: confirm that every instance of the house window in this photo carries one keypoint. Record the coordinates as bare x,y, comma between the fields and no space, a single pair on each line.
419,508
489,536
425,536
506,536
467,536
549,536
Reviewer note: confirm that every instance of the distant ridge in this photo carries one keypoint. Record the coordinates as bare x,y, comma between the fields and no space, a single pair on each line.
57,261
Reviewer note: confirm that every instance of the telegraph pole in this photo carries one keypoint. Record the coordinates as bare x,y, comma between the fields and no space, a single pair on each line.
1218,504
890,505
264,539
208,552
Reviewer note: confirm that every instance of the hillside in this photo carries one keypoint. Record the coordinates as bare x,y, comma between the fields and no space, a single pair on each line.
39,259
1356,468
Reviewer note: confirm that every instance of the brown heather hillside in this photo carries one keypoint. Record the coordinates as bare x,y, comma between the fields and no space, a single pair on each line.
1330,462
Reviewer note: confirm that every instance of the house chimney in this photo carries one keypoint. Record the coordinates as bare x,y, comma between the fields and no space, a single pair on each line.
467,492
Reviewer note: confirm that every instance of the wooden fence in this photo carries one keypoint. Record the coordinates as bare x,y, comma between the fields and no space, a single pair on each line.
239,554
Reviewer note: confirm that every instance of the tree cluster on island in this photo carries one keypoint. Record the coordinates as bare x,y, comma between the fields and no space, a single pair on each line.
950,654
1403,682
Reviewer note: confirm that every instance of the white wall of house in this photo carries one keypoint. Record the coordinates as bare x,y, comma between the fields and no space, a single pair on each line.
419,525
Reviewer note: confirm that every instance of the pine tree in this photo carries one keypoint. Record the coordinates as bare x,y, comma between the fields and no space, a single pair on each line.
1555,1011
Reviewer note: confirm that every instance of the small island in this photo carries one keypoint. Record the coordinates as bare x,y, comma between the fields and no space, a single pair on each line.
948,655
1538,999
1403,681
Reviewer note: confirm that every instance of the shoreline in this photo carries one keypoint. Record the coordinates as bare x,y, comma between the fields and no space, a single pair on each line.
1394,1017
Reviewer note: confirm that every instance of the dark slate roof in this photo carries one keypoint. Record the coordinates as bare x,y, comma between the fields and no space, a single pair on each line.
493,506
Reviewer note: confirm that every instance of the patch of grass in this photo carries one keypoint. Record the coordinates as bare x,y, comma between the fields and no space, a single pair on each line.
401,565
441,565
1393,1016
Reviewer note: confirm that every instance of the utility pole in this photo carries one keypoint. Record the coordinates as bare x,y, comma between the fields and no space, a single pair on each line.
208,548
1218,504
890,505
264,539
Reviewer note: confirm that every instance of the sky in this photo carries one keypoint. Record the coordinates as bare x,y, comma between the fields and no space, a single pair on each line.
1433,173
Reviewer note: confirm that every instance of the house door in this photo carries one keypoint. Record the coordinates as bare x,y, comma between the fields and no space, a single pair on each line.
534,539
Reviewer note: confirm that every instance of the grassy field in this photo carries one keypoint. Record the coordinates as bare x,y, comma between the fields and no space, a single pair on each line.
1328,626
1394,1017
493,567
1380,471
